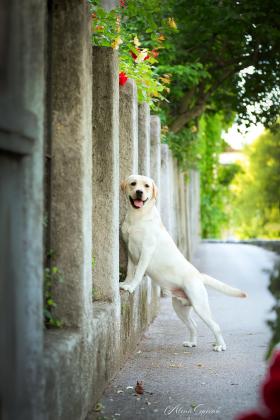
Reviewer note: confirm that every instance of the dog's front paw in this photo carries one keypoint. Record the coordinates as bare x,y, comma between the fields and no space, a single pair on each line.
189,343
128,287
219,347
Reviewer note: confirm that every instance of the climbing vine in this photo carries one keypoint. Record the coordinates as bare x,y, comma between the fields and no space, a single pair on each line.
198,146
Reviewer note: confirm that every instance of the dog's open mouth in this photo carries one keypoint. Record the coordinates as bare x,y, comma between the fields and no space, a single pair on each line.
137,203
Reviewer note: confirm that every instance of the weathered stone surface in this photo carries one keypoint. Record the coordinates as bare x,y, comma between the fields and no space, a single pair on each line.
128,134
22,89
105,181
71,201
165,185
128,149
195,210
155,153
155,162
144,139
182,214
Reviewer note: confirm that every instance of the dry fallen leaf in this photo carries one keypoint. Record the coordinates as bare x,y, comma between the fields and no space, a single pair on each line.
139,388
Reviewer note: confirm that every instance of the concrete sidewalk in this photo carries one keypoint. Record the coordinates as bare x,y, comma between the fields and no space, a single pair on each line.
194,383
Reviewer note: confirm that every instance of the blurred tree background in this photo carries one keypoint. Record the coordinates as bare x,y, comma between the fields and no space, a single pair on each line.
256,189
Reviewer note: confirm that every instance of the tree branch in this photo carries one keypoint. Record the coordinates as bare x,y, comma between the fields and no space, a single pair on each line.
187,114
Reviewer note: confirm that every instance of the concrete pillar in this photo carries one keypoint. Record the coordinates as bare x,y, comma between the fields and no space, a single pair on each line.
198,231
128,149
165,182
22,89
173,187
71,198
188,221
155,153
194,210
144,139
105,182
182,214
176,202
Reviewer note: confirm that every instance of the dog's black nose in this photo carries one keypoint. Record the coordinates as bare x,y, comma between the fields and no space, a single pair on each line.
139,193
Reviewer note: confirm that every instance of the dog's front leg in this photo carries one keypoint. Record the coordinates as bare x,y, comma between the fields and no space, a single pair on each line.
130,272
141,268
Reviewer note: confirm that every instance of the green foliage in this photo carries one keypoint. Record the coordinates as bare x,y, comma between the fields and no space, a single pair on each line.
237,67
214,193
257,190
52,276
185,147
226,173
183,77
199,147
137,38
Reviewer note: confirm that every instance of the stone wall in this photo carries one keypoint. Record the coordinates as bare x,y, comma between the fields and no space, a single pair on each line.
95,134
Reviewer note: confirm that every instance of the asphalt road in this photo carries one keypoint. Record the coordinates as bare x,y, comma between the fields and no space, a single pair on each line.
184,383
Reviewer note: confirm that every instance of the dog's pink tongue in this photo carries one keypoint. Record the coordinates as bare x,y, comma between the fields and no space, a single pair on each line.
138,203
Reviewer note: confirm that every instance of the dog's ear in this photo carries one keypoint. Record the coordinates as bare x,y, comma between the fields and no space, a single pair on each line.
123,185
155,191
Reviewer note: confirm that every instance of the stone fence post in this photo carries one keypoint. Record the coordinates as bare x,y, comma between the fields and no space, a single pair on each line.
71,135
155,153
128,149
144,139
165,184
105,180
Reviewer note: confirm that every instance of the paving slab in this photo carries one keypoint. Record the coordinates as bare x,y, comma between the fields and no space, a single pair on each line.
192,383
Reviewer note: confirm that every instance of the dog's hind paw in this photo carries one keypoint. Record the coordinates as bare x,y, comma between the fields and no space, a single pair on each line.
189,344
219,347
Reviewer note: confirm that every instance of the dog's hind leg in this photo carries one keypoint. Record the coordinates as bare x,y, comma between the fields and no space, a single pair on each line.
184,313
202,308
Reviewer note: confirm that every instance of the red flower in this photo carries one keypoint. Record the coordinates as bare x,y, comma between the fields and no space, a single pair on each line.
133,55
122,3
271,392
275,363
251,415
122,78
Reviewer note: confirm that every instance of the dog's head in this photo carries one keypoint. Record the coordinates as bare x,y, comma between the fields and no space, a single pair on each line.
141,190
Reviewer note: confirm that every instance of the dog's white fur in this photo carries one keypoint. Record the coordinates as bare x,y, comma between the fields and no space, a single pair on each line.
151,250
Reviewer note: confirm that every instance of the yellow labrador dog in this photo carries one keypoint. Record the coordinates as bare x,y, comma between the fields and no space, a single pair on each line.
151,250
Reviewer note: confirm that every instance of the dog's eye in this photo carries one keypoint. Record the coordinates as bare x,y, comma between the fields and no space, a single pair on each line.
147,186
133,183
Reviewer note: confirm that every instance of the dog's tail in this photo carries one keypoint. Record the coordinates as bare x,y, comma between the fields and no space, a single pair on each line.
222,287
